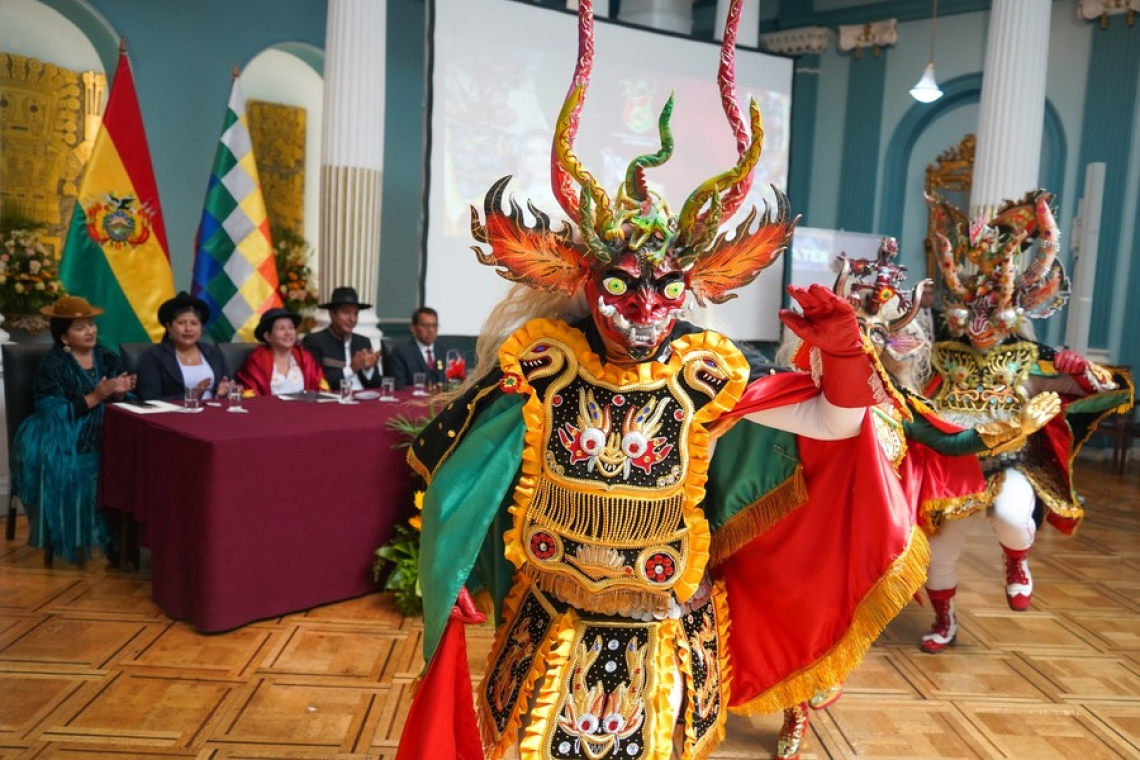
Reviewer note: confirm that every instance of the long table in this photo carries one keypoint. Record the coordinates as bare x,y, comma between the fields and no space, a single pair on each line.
250,516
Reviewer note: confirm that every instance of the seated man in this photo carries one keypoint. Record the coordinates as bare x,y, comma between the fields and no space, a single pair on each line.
418,353
341,352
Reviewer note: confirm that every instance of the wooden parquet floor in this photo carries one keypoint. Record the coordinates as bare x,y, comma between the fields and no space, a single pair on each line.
91,669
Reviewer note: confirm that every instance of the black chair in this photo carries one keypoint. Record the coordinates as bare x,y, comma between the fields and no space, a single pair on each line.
236,354
20,364
131,353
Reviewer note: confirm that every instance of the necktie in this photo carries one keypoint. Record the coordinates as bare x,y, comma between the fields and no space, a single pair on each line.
430,360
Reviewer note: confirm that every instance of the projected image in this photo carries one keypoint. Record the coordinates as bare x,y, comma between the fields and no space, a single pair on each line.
496,97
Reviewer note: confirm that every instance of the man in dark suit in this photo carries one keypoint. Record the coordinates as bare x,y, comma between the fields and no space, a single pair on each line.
418,354
341,352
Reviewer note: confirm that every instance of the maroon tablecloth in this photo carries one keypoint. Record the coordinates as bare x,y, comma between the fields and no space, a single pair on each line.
254,515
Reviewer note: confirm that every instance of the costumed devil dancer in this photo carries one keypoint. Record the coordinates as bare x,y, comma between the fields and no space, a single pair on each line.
651,564
996,280
937,461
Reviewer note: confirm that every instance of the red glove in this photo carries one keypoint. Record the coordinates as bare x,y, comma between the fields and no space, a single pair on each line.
828,323
465,610
1072,363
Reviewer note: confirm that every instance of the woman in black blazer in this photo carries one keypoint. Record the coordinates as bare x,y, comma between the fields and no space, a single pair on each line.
181,358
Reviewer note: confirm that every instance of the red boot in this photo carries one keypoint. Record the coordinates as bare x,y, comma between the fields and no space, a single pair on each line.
945,628
792,733
1018,581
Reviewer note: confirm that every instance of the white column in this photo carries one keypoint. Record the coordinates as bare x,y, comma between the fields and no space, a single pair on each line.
748,33
1011,116
666,15
352,153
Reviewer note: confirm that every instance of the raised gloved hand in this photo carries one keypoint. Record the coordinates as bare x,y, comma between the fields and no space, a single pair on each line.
1072,363
465,610
1040,409
848,376
1010,435
828,321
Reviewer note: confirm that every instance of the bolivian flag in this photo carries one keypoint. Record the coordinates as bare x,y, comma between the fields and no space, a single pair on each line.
234,268
116,254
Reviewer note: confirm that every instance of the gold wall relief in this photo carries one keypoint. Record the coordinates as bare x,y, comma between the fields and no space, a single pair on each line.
49,117
951,176
278,134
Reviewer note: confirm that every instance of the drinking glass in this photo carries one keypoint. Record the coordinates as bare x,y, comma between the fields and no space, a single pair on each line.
387,388
234,398
419,382
346,391
192,397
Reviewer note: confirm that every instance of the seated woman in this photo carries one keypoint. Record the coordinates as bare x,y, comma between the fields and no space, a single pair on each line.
181,360
279,365
56,449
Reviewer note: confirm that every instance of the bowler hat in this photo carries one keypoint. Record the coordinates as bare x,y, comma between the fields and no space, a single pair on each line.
171,308
71,307
344,296
271,316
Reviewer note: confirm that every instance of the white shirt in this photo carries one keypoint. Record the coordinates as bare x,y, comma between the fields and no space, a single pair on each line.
433,363
193,374
292,381
351,376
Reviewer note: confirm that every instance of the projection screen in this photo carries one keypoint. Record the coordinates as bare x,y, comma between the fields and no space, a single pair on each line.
498,75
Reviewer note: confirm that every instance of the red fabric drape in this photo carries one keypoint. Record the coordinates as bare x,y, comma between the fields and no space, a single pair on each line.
442,722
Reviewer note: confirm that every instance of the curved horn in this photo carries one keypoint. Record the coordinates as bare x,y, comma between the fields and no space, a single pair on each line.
1048,243
564,165
840,286
695,223
635,186
726,79
944,252
899,323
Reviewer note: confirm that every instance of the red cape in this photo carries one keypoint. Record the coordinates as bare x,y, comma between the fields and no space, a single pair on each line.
809,596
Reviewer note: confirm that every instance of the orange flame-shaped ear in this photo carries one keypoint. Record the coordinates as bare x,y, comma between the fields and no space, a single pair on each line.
536,256
733,263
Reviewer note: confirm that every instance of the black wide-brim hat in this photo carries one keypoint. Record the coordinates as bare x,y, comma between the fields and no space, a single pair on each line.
170,309
344,296
265,324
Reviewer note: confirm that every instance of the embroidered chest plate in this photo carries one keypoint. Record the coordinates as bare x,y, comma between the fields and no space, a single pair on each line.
979,387
616,461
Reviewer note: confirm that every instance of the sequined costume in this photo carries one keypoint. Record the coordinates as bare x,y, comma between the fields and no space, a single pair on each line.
628,488
998,274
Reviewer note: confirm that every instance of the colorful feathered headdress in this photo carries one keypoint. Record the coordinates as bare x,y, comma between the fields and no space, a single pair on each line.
637,221
995,276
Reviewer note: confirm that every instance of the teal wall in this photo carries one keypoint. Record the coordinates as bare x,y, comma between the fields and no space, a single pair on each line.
1092,114
182,55
401,218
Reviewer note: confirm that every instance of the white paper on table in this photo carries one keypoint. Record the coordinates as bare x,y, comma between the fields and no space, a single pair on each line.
153,407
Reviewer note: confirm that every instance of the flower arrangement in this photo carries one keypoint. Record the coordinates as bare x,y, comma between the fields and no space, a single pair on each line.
403,554
29,274
292,253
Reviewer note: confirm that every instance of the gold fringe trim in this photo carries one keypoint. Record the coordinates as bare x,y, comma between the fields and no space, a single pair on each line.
610,519
891,593
579,359
933,513
604,602
759,516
